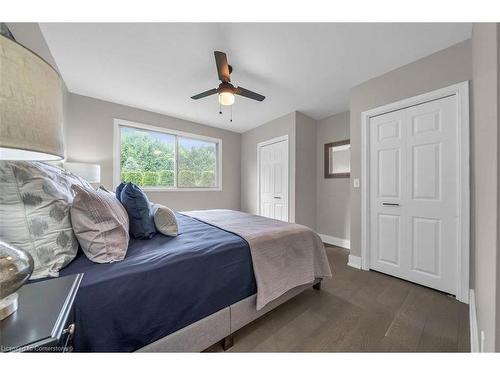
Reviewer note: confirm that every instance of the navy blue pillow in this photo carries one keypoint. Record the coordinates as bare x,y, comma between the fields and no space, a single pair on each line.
139,211
119,189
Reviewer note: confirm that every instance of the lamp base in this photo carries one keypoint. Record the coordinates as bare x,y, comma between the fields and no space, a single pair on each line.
8,305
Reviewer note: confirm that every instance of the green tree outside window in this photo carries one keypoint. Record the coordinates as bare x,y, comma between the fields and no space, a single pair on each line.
148,159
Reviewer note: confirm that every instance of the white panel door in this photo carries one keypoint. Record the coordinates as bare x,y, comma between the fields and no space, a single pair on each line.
414,193
273,177
388,184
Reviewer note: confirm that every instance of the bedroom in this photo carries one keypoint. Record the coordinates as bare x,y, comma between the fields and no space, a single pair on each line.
334,190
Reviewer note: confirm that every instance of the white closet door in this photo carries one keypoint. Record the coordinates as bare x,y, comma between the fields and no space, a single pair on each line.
387,193
274,180
413,194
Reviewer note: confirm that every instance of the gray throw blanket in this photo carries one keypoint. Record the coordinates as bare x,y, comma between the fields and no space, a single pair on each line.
284,255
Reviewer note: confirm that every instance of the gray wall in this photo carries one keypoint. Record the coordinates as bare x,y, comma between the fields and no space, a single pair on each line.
441,69
497,313
89,138
301,131
284,125
305,172
333,214
317,203
497,281
485,164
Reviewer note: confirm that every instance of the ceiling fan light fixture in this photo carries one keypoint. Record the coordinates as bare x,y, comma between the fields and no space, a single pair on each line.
226,91
226,98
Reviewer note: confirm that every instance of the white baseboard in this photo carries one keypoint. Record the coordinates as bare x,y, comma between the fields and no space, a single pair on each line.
341,242
474,332
354,261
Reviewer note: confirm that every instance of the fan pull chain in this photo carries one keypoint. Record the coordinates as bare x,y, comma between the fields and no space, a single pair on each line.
220,109
231,114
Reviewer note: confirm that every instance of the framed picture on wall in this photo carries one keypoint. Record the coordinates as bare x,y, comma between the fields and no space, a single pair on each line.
338,159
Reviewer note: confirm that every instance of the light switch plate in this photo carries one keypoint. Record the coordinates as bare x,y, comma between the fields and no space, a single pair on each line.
355,182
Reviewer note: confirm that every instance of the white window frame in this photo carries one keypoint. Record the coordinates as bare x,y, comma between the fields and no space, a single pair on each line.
117,123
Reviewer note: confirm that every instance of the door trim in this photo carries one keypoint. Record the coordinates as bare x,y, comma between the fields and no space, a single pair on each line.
461,91
267,143
473,327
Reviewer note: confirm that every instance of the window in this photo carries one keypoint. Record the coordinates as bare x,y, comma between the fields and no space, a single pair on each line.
157,158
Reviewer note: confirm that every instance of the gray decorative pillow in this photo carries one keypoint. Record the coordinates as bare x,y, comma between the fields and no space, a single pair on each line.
100,224
165,220
34,213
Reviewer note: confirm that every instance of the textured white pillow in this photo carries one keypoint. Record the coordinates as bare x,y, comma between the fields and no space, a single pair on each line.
35,199
165,220
100,224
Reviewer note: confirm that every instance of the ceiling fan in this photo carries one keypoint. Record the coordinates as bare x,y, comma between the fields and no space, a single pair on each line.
226,90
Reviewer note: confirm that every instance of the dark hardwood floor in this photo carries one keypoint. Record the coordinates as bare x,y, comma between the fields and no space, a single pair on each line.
359,311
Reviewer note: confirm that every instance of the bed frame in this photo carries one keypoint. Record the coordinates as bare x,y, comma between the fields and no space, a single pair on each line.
220,326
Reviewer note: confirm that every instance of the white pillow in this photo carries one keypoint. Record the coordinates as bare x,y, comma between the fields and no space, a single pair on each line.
165,220
100,224
35,199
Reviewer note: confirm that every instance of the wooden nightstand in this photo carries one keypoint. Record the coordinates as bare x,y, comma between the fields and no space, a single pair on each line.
43,321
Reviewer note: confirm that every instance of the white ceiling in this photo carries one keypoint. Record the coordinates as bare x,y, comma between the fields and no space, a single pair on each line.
302,66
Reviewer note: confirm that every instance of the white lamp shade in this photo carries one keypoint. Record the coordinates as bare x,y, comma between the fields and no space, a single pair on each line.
31,110
226,98
89,172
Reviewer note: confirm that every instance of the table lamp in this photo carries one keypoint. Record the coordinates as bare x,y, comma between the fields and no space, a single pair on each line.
89,172
31,128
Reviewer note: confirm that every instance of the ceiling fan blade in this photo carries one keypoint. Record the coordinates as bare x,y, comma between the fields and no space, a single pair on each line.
204,94
222,66
249,94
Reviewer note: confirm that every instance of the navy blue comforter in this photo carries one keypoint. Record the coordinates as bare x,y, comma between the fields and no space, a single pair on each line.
162,285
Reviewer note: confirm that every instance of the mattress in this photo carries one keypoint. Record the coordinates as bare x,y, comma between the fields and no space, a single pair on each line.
162,285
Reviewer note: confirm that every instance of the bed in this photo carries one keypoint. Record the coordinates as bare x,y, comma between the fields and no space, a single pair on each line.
181,293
